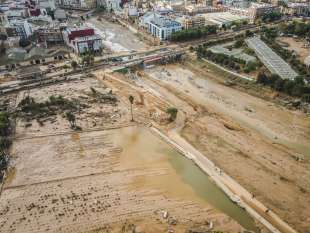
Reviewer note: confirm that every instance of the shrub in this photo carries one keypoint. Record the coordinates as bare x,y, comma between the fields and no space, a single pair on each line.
172,112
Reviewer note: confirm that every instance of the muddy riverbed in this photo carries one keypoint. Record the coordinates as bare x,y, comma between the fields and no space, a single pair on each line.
77,182
263,146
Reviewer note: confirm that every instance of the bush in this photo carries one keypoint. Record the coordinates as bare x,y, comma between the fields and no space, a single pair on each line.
279,84
5,141
172,112
74,64
250,66
28,106
239,43
4,124
262,78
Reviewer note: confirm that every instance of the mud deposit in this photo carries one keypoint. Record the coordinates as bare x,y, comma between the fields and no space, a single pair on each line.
79,182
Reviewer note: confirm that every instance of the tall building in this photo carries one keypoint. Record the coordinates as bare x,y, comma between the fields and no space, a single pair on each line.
192,21
20,28
297,9
162,27
259,9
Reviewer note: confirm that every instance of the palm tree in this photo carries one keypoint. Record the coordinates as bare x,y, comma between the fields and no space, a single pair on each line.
131,99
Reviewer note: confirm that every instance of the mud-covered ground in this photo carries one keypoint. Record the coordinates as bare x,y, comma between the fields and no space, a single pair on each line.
263,146
95,179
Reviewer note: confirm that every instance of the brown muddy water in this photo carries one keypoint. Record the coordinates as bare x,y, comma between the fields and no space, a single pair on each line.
181,178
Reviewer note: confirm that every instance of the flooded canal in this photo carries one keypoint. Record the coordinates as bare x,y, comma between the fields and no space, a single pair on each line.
181,179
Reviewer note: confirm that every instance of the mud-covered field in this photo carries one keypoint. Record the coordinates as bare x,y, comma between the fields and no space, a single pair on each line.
104,177
78,182
263,146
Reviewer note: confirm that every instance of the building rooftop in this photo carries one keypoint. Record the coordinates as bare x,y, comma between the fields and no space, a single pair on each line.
162,21
77,28
87,38
298,4
270,59
223,17
261,5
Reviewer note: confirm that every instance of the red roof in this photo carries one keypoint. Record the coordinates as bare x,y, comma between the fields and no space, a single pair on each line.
80,33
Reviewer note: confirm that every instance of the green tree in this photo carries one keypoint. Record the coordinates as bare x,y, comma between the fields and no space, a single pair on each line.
250,66
300,80
239,43
131,100
2,47
88,58
74,64
172,113
279,84
193,33
4,124
248,33
288,86
262,78
5,143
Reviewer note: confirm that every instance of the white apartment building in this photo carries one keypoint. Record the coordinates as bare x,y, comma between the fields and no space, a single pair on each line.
162,27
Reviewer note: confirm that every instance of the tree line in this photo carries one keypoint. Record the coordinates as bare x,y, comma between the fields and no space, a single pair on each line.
194,33
229,62
297,87
5,142
298,28
271,16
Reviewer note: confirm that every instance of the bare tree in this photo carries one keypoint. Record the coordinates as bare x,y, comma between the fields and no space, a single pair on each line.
71,118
